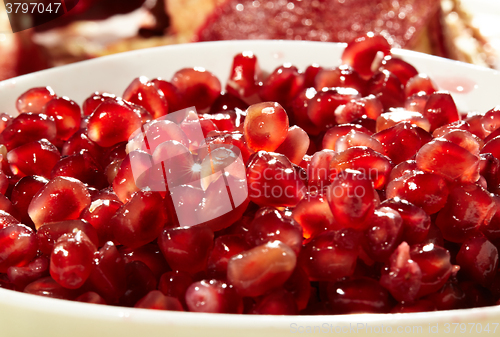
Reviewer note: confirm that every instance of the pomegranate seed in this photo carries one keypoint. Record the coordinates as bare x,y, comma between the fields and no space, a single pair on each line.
225,247
314,215
357,138
279,302
403,278
244,77
272,181
491,120
298,111
146,94
475,120
387,88
321,108
108,277
476,295
425,190
124,183
478,260
368,108
416,222
157,301
227,102
403,70
66,114
213,296
342,76
23,160
7,206
398,115
282,85
140,280
151,255
175,284
18,243
34,100
330,255
112,122
140,220
334,133
266,126
22,194
79,143
310,74
90,297
420,84
295,145
71,259
22,276
440,109
98,214
467,209
318,169
171,93
48,234
5,119
493,147
262,268
364,52
363,295
383,234
27,128
47,287
82,167
62,198
450,296
187,248
92,102
434,263
197,87
416,102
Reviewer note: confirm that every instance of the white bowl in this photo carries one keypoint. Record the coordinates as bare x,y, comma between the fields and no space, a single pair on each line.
28,315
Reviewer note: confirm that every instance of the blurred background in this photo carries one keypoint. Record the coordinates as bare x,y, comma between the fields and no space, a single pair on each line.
465,30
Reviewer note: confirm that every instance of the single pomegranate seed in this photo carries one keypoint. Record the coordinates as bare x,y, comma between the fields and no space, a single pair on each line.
295,145
457,125
333,134
403,277
71,259
272,180
357,138
82,167
298,111
175,284
342,76
157,301
229,103
434,263
22,276
282,85
416,222
449,297
262,268
440,109
146,94
27,128
66,114
465,139
18,243
398,115
124,183
23,192
467,209
225,247
213,296
449,160
197,87
62,198
47,287
426,190
171,93
98,214
416,102
151,255
112,122
310,74
279,302
318,169
93,101
493,147
475,120
403,70
363,295
48,234
420,84
314,215
266,126
7,206
140,220
5,119
108,277
140,280
383,234
79,143
34,99
90,297
372,165
321,108
491,120
330,255
25,160
387,88
478,260
365,52
186,248
244,76
368,108
476,295
352,199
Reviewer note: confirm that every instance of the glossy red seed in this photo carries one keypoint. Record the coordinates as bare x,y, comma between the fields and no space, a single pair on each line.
420,84
467,209
334,133
478,260
318,170
266,126
279,302
22,276
282,85
48,234
383,234
321,108
400,142
27,128
94,100
90,297
25,160
62,198
262,268
398,115
151,255
186,248
66,114
47,287
124,183
18,245
368,107
330,255
175,284
79,143
493,147
440,109
146,94
298,111
402,69
197,87
171,93
157,301
71,259
140,280
342,76
225,247
449,297
23,192
34,99
365,51
363,295
314,215
244,75
140,220
295,145
112,122
387,88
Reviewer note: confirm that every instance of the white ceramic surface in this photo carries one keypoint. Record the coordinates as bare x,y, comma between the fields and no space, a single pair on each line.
25,315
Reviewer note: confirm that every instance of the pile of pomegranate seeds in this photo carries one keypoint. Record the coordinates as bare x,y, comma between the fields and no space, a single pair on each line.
365,190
